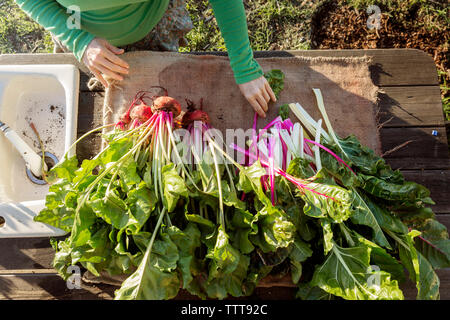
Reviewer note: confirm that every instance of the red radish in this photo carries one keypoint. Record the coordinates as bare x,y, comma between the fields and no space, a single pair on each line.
139,97
167,104
194,114
141,112
120,125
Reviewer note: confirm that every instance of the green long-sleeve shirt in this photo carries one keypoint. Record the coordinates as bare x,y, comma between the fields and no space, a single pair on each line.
123,22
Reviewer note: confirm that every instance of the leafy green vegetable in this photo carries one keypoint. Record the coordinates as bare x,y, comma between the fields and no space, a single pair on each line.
275,78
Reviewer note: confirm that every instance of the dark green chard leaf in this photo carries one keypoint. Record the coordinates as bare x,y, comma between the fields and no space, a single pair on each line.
408,193
346,273
436,252
299,253
243,225
307,292
368,213
378,255
419,268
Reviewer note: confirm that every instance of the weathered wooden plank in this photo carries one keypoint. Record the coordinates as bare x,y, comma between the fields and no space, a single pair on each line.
48,287
51,286
391,67
26,253
438,182
411,106
90,110
424,152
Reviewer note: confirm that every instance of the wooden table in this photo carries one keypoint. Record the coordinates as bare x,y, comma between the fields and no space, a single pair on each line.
410,105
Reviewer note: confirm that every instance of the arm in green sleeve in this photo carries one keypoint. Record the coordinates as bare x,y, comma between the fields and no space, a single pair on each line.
230,16
53,17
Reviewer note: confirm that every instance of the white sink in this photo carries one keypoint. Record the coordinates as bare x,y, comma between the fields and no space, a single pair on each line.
46,95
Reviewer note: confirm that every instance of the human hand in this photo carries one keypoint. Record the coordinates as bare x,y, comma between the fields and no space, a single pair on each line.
258,93
101,59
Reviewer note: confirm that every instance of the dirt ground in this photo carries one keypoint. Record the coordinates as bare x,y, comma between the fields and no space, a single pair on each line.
337,25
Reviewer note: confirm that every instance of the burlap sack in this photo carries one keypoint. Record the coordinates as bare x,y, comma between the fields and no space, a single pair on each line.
349,94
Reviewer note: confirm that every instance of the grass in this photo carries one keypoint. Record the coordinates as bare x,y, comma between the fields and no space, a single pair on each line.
20,34
272,24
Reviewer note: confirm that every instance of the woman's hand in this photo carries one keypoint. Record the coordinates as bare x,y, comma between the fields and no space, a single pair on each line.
258,92
101,58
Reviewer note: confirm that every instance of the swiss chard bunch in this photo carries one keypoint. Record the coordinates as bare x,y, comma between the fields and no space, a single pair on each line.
364,222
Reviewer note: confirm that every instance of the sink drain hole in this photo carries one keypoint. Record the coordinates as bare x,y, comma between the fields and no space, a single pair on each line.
2,222
50,160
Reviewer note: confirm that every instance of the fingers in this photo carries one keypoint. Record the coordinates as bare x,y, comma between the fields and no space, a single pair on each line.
270,91
111,56
265,95
256,106
111,66
262,102
114,49
104,70
98,75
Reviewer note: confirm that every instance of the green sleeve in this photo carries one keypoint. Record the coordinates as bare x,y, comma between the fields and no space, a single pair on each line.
53,17
232,21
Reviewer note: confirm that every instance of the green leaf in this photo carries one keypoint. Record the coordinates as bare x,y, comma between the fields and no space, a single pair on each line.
368,213
283,111
299,253
307,292
275,230
250,178
409,193
187,242
174,187
346,273
300,168
275,78
380,257
142,202
419,268
327,200
155,278
64,169
112,209
221,284
62,217
436,252
224,256
128,172
327,235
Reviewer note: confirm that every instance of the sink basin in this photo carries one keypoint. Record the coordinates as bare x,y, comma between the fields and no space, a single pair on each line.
47,96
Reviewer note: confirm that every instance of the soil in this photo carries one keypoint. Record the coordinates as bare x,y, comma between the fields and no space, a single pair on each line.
339,26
